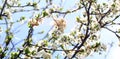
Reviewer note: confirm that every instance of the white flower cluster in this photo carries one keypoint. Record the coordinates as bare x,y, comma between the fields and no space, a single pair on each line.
13,1
44,54
35,22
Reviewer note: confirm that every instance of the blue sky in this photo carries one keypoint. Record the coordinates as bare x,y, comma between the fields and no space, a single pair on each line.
106,36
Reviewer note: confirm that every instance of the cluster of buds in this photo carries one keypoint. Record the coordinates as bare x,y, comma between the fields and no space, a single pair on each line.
60,24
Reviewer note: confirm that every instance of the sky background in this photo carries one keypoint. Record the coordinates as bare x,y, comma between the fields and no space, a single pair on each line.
106,36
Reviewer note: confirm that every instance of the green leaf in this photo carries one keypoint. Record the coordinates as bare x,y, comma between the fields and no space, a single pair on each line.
8,39
46,42
61,9
33,52
0,50
44,13
78,19
104,3
13,55
37,16
73,33
82,50
118,30
34,4
10,36
1,18
113,5
27,51
62,47
96,45
29,3
98,6
29,25
93,12
22,18
96,27
19,4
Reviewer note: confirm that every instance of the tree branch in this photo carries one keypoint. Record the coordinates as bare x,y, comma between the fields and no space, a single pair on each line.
3,7
87,30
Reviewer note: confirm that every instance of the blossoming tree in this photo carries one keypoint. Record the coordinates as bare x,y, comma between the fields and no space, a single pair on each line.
23,35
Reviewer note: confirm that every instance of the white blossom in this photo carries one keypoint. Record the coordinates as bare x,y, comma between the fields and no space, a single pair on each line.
37,7
54,46
8,13
60,24
46,56
69,55
40,53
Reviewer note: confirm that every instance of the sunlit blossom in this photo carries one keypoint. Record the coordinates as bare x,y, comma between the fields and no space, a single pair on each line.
35,22
60,24
8,13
